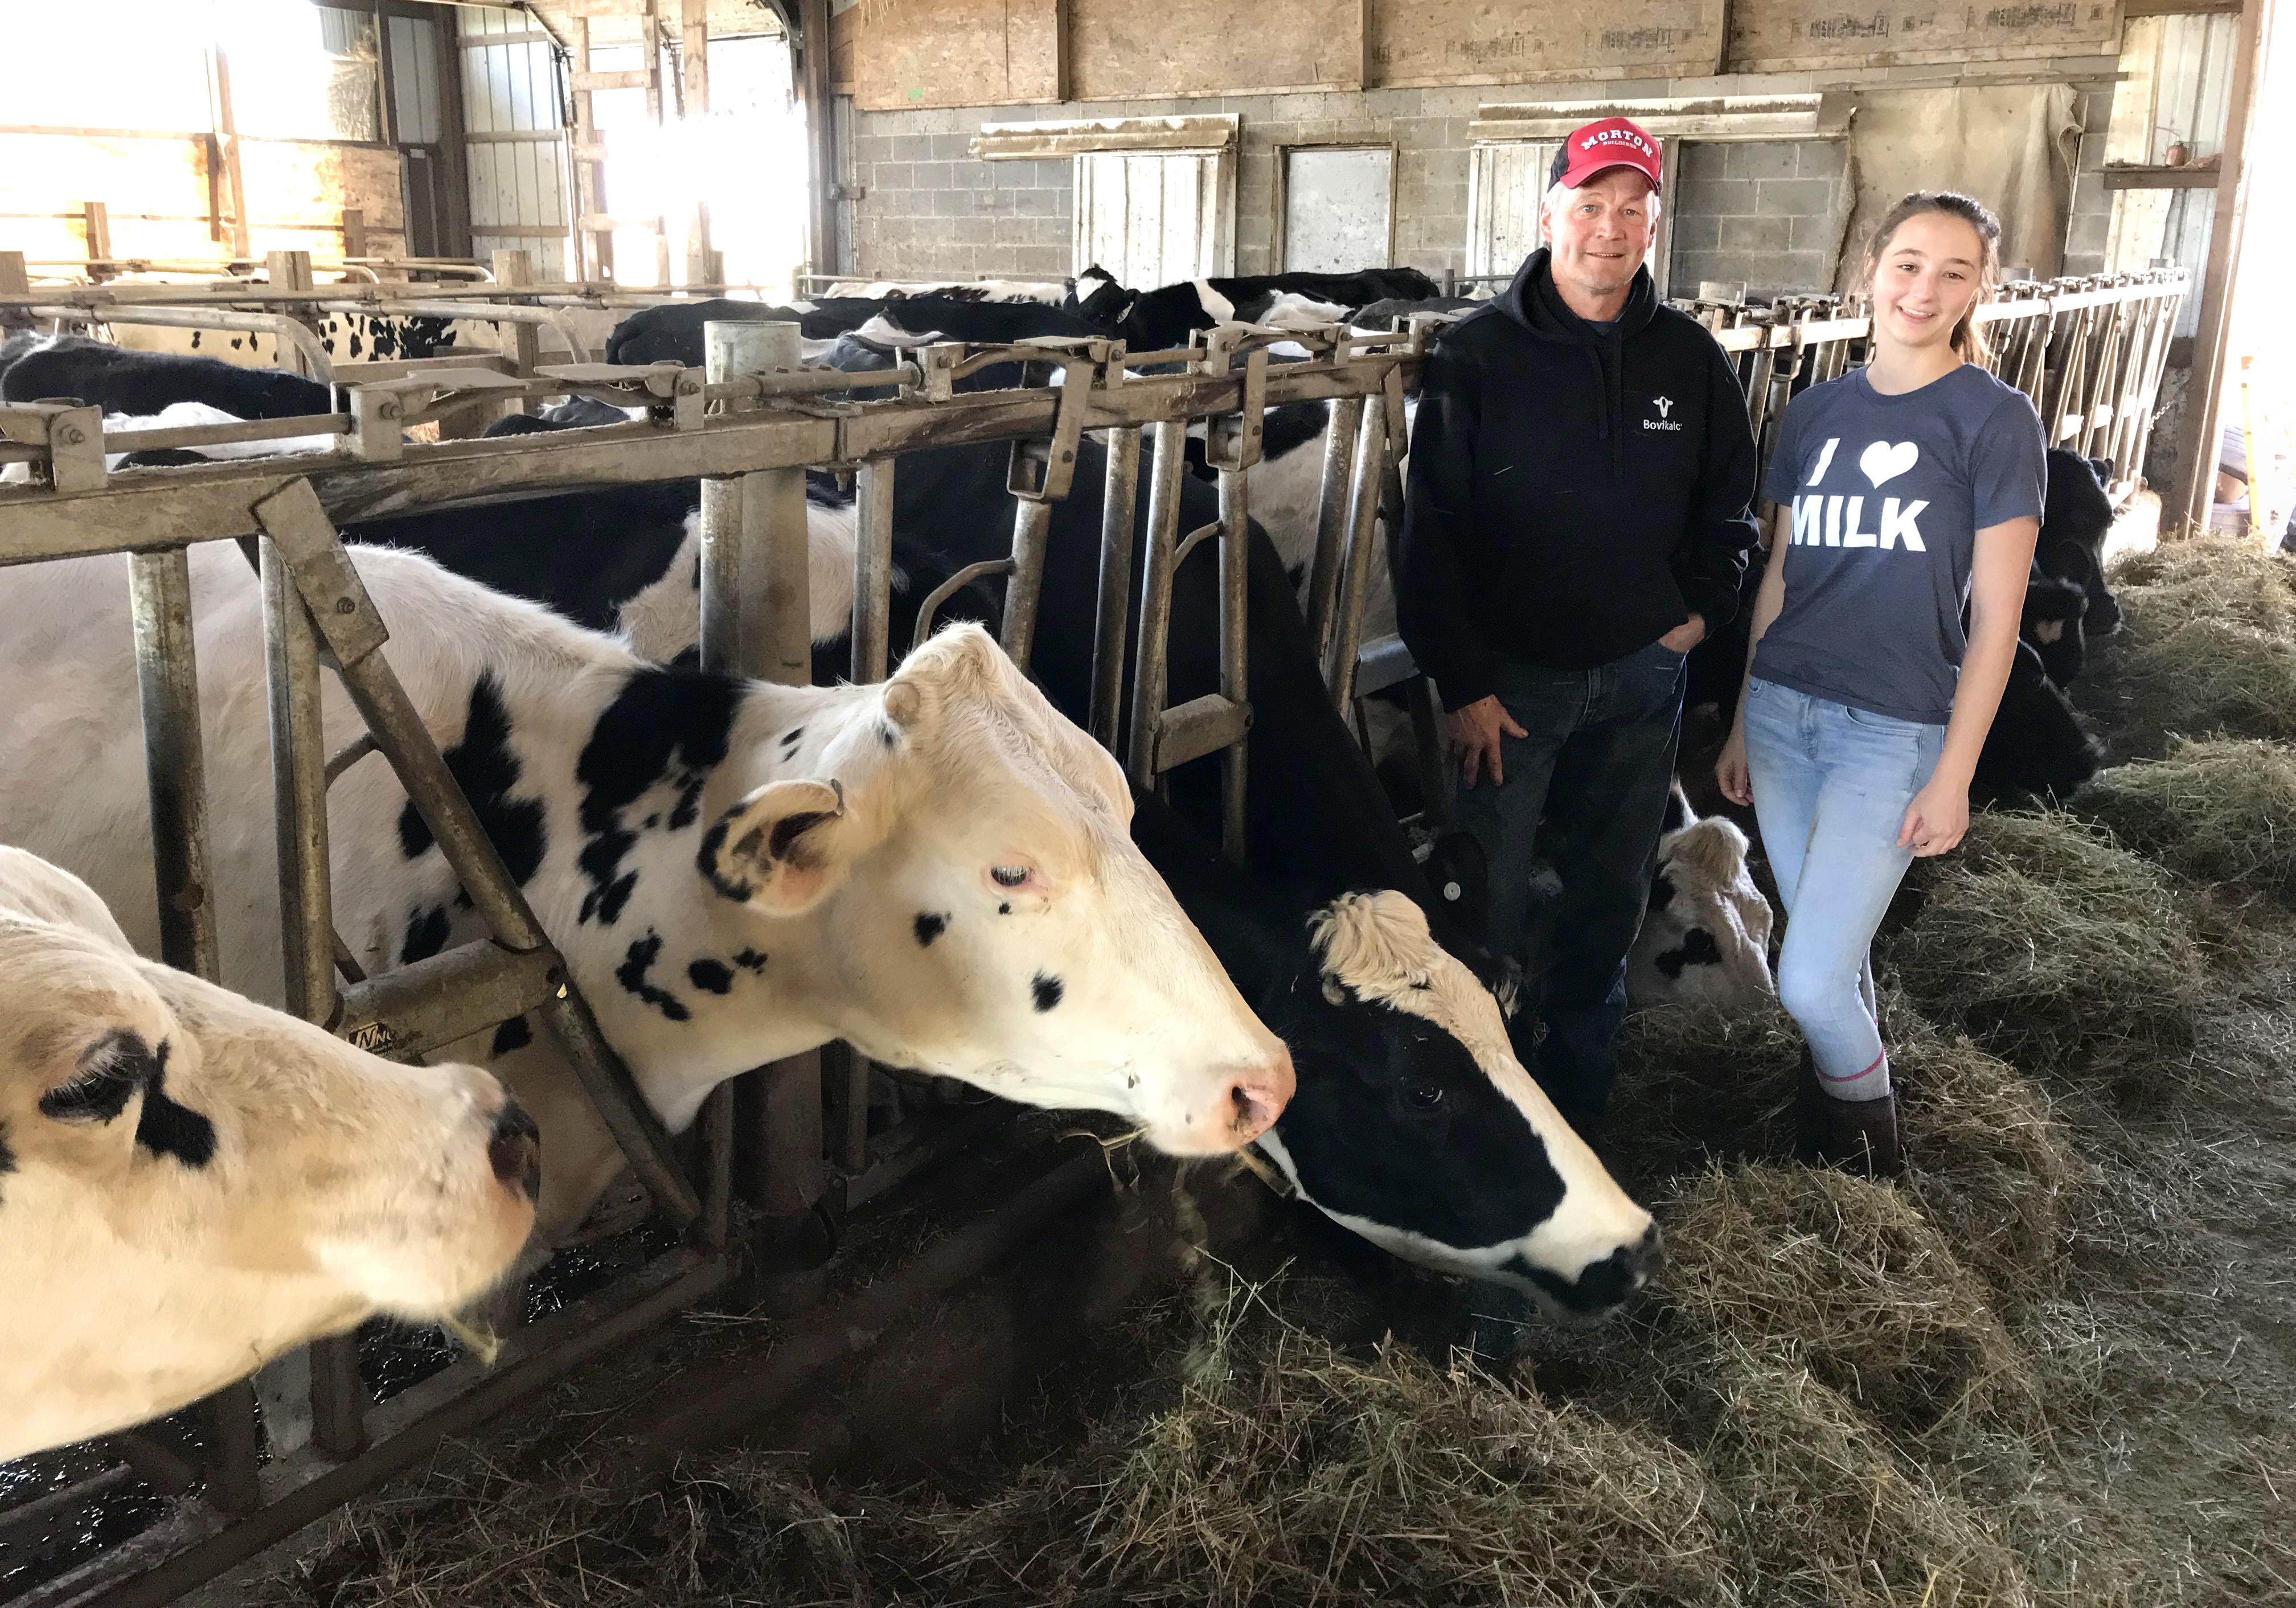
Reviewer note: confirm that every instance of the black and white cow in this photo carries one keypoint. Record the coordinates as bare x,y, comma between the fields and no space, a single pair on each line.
1413,1125
1049,293
1158,320
143,383
935,868
191,1183
1706,932
672,332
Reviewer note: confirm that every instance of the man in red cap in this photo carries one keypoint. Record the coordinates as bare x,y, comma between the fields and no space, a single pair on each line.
1580,474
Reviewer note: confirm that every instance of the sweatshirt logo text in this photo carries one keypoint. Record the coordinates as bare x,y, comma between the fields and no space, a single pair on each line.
1665,405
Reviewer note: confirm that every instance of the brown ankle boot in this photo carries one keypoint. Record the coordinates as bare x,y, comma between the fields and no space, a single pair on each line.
1862,1136
1857,1136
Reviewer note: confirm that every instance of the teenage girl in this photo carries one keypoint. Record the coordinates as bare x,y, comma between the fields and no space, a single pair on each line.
1908,492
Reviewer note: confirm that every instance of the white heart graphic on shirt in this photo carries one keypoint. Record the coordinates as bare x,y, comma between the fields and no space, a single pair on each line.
1882,462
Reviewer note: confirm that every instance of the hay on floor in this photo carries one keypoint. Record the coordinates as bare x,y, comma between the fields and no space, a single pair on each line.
2205,677
1985,1160
1814,1269
1833,1516
2206,578
2057,950
2221,812
1697,1081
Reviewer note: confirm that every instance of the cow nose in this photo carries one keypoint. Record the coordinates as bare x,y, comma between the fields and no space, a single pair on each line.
514,1149
1646,1256
1256,1098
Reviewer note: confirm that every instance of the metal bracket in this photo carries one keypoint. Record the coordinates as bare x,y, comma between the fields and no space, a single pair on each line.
1231,441
71,435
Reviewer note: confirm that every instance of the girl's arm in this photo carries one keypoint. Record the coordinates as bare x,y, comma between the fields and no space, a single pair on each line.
1730,769
1938,815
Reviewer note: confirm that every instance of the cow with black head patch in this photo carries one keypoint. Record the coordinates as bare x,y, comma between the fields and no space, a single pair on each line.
1413,1124
191,1183
1706,931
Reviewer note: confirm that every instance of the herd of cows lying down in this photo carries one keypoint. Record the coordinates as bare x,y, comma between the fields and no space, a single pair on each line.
942,870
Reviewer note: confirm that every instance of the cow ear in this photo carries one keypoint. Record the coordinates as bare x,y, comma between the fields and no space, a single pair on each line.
783,849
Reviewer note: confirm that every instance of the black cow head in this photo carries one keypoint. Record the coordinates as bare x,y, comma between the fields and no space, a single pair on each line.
2035,744
2052,626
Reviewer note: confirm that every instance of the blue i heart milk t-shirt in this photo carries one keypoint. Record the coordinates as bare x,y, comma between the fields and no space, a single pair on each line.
1888,494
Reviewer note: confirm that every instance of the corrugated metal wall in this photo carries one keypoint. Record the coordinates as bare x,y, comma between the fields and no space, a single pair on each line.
514,137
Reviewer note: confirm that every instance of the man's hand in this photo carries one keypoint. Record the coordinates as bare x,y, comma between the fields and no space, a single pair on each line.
1686,635
1475,733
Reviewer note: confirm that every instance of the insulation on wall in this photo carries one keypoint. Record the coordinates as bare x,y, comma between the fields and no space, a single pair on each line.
2012,146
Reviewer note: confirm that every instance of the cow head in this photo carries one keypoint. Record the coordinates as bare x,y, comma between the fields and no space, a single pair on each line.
1706,930
191,1183
1418,1129
975,908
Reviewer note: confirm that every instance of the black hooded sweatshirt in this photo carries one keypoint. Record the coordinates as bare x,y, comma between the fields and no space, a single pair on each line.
1576,493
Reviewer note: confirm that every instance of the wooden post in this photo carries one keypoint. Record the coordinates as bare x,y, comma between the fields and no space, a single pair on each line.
820,137
95,221
290,271
521,343
2190,495
15,278
353,232
225,128
693,20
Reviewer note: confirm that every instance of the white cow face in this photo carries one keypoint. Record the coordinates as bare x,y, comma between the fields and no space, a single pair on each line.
1420,1131
993,920
190,1184
1706,933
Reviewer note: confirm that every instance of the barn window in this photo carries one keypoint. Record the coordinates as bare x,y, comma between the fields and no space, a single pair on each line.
511,135
1338,207
1155,197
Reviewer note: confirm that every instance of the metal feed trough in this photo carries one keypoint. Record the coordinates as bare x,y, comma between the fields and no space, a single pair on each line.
2089,353
747,425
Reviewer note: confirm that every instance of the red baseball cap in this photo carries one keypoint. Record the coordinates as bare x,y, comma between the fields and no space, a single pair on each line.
1600,146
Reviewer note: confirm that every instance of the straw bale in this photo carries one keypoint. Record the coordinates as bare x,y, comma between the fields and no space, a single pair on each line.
2056,950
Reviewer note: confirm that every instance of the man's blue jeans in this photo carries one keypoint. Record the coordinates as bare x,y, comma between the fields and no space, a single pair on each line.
1596,767
1831,788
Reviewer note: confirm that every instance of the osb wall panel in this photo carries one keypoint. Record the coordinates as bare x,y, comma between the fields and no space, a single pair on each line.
1122,50
1767,36
901,54
1434,42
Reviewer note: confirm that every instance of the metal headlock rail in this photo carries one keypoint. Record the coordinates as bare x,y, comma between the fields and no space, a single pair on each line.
2090,353
748,425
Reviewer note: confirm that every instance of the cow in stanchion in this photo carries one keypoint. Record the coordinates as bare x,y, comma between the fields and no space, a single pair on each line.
191,1183
935,869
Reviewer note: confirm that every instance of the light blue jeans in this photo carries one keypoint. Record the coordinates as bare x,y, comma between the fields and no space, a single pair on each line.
1831,788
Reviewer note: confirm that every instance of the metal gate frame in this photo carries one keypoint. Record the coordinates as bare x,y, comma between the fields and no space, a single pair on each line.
751,452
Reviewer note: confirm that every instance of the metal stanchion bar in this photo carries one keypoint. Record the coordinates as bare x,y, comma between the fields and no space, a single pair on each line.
1331,522
755,610
872,569
307,932
1154,649
1119,511
1371,455
347,617
1234,572
1024,586
160,592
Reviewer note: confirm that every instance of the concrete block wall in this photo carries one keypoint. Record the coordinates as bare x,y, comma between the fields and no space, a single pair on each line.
930,206
1769,213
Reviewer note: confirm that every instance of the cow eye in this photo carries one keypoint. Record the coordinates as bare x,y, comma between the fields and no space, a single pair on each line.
1009,876
1427,1096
